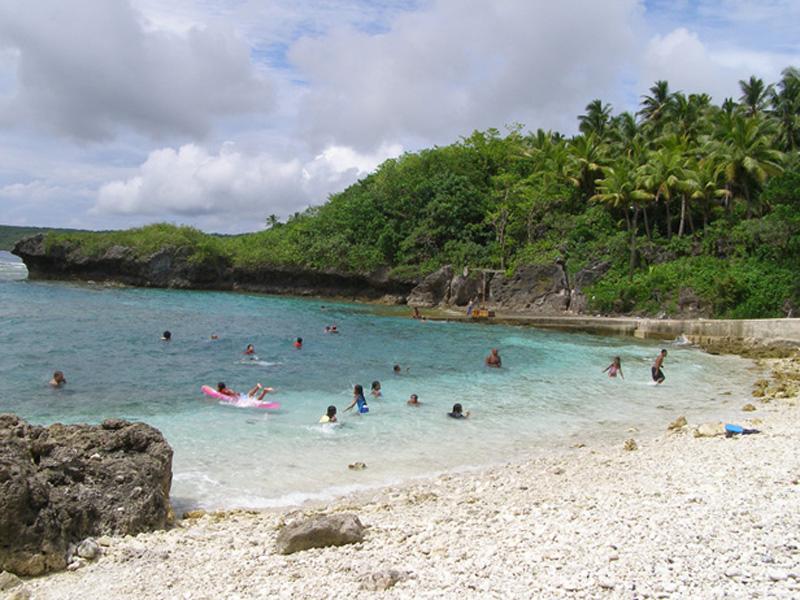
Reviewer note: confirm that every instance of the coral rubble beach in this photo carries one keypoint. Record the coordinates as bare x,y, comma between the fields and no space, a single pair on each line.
680,516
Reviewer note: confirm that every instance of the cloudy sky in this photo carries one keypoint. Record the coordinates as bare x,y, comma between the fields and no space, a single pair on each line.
217,113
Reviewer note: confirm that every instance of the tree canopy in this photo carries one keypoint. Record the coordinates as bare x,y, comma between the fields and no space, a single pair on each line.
684,195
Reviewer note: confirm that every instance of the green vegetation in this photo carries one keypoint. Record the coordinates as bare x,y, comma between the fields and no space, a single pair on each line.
683,200
11,234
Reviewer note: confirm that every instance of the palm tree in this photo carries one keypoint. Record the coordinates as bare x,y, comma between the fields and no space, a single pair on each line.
785,108
624,129
704,186
689,115
663,172
597,119
586,158
746,158
754,95
655,106
620,189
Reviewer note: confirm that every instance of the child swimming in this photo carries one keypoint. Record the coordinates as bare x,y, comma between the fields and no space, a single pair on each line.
376,389
493,360
58,379
225,390
359,400
614,368
329,416
298,343
250,350
413,400
458,412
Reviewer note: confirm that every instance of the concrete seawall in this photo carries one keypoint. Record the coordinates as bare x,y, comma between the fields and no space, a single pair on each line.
785,332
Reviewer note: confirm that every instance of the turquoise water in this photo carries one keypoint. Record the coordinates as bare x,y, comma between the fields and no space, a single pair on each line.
550,391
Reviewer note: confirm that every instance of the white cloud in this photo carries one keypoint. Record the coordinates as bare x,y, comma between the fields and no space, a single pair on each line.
315,94
458,66
690,65
191,182
90,68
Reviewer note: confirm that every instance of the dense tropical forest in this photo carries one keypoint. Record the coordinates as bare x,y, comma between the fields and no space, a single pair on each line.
684,195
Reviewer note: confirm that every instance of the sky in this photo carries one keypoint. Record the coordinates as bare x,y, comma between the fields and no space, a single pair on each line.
217,114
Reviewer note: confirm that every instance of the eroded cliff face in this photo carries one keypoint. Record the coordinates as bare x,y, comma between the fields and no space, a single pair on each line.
175,268
534,289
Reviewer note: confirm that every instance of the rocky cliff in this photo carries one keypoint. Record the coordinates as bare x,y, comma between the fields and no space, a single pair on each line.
532,289
535,289
64,483
176,268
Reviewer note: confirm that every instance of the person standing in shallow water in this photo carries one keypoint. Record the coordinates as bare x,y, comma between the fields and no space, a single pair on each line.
493,360
655,370
614,368
358,400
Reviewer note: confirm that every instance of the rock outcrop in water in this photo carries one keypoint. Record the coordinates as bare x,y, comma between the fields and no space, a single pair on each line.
63,483
175,268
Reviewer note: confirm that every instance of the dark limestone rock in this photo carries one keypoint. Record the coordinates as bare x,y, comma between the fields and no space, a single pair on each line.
689,302
172,267
320,532
583,279
465,288
433,290
591,274
541,289
64,483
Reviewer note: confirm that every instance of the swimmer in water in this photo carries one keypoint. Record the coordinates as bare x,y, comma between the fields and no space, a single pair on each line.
166,336
358,400
413,400
396,369
493,360
655,370
298,343
214,336
250,350
458,412
329,416
226,391
258,387
58,379
376,389
614,368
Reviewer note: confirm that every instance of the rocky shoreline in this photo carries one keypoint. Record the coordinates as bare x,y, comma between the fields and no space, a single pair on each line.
536,289
688,513
535,295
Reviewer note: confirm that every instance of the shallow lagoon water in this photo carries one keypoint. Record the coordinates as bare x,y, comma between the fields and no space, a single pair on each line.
550,393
